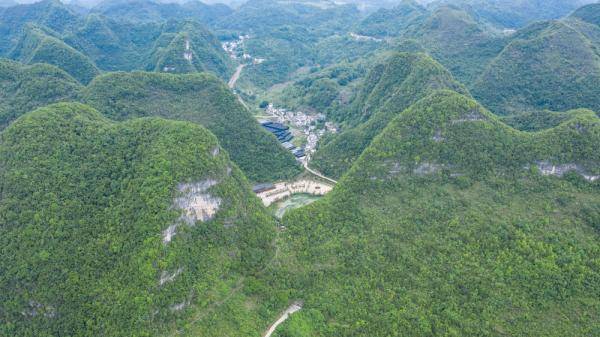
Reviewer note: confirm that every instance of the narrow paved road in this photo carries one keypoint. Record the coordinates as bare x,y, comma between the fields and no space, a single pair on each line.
236,76
296,306
317,173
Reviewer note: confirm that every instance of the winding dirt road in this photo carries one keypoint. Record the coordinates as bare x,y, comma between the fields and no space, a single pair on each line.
296,306
236,76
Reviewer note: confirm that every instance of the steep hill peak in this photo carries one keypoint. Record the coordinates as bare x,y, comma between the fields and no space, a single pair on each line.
448,134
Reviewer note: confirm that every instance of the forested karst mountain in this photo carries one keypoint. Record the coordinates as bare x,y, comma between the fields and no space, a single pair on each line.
188,47
119,228
47,13
589,13
152,11
115,45
24,88
394,21
515,13
461,134
442,227
287,35
549,65
39,46
111,42
198,98
389,88
457,40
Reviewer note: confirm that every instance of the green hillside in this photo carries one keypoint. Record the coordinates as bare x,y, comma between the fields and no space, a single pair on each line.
389,88
287,35
153,11
39,46
459,41
24,88
445,226
114,45
589,13
394,21
119,228
543,119
188,47
329,90
517,13
48,13
550,65
198,98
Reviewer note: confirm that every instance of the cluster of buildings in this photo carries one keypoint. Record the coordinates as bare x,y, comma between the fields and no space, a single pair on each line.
234,49
284,135
307,123
270,193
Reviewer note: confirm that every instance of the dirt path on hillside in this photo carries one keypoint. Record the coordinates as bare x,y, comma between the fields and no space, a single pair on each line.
317,173
296,306
236,76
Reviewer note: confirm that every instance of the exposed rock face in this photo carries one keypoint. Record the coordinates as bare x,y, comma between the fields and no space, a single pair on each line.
427,168
196,205
36,308
472,116
178,306
169,233
547,169
187,54
166,277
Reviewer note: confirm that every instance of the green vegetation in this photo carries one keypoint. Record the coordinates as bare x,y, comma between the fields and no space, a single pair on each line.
517,13
37,46
551,65
328,90
289,36
47,13
389,88
125,203
393,22
143,11
198,98
457,40
24,88
540,120
189,38
440,229
114,45
77,43
85,201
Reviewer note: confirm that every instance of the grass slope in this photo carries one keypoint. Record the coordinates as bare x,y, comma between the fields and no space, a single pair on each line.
198,98
85,203
445,226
